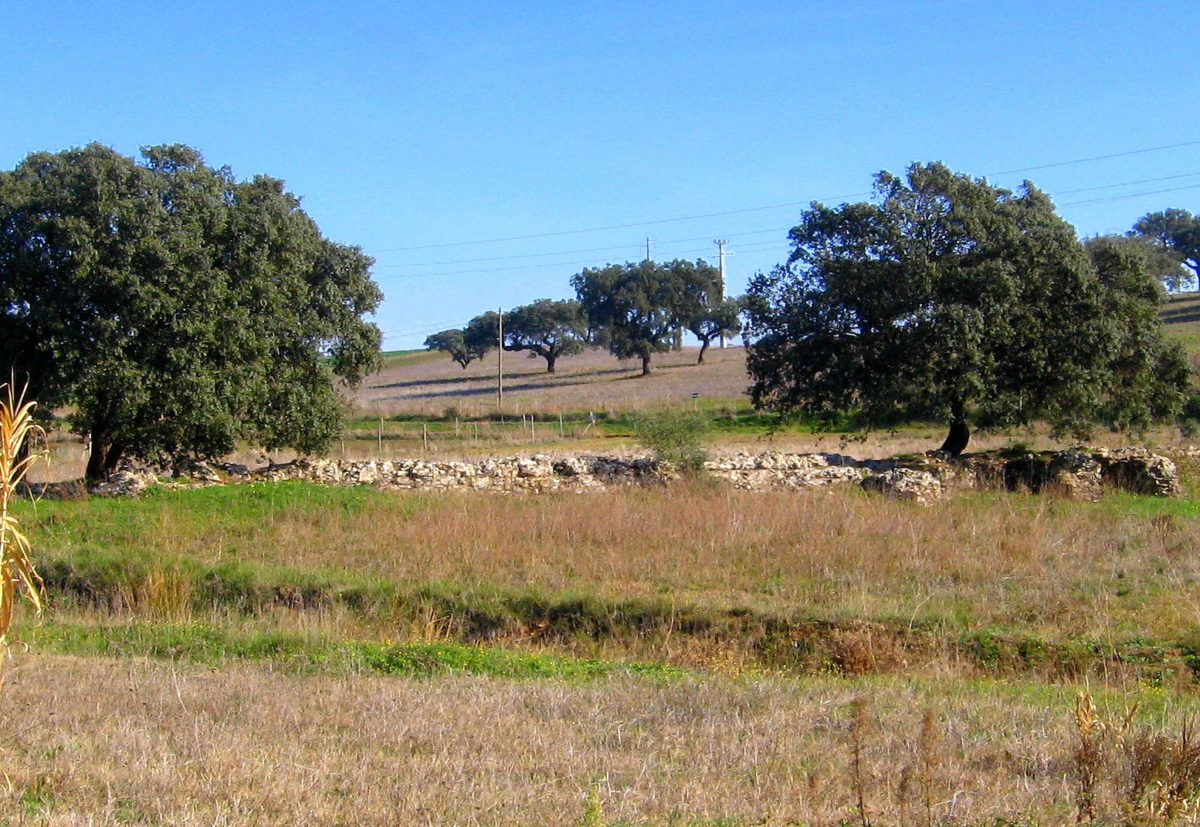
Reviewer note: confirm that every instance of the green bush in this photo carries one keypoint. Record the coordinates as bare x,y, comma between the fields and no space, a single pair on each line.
675,437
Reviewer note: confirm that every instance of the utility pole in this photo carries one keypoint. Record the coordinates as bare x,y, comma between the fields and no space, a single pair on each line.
721,288
500,362
647,248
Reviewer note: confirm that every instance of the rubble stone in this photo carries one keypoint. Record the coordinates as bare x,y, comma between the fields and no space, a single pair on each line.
923,478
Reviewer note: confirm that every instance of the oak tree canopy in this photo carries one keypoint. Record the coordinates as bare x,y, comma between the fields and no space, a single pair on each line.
174,310
949,299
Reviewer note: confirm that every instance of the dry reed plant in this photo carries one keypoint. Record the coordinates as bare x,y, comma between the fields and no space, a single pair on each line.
17,573
1134,775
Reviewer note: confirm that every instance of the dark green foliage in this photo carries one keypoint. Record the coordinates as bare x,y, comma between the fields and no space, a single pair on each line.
455,344
950,298
174,309
546,328
637,310
1148,375
1160,262
1178,232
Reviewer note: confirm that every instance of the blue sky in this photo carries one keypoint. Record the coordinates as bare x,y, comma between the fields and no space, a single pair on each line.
486,152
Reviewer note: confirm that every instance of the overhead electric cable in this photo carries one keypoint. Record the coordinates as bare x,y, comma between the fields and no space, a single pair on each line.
1128,195
1129,183
1098,158
572,252
613,226
745,210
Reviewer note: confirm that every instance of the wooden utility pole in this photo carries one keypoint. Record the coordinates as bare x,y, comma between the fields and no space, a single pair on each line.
500,363
721,288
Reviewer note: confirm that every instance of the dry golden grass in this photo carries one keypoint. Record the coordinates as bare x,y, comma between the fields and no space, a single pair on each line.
126,741
1040,565
593,380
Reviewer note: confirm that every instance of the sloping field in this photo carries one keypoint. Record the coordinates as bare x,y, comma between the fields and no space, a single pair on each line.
432,384
1181,315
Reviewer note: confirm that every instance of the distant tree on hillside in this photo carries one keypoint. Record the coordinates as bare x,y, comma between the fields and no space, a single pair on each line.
546,328
637,309
1177,231
174,310
951,299
453,342
720,318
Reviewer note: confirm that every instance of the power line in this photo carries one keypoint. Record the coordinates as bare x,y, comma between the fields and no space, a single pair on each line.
560,233
1130,183
614,226
1129,195
572,252
1099,158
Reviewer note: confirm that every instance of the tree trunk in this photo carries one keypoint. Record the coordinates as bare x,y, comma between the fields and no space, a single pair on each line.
703,347
550,358
105,455
959,436
645,366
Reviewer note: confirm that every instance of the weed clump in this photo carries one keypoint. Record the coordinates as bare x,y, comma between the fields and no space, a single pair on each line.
676,438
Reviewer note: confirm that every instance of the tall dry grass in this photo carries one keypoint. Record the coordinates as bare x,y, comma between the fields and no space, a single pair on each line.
1008,561
106,741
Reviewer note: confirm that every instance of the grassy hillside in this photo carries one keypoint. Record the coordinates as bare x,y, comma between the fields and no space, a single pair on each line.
431,384
1181,317
427,384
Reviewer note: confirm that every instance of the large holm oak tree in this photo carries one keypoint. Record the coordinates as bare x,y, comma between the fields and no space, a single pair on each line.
947,298
173,310
457,344
547,329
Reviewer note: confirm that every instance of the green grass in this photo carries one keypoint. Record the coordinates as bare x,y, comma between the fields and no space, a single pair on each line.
203,643
402,358
229,556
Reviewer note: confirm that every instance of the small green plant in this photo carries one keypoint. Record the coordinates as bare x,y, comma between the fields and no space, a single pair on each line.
675,437
593,812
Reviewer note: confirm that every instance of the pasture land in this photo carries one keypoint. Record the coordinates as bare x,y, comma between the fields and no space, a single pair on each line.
105,740
430,384
688,655
691,655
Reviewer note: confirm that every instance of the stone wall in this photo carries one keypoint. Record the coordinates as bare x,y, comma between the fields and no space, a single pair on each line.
925,478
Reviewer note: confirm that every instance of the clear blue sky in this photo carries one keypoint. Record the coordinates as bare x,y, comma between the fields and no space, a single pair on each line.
424,131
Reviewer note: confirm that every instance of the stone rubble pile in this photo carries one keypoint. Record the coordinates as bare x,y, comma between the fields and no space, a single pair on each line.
924,478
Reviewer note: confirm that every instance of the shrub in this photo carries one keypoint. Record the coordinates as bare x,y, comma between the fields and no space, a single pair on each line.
675,437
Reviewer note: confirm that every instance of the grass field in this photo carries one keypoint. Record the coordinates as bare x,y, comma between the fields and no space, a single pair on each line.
691,655
1181,318
431,384
686,655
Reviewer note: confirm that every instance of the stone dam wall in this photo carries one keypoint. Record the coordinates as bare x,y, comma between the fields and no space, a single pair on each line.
926,478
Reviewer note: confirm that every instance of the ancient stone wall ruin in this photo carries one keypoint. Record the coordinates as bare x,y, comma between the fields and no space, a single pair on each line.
925,478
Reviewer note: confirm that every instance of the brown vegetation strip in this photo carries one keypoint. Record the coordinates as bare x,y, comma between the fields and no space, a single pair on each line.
105,742
1008,561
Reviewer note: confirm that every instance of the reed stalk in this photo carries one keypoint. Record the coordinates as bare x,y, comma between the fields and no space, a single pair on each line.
17,572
